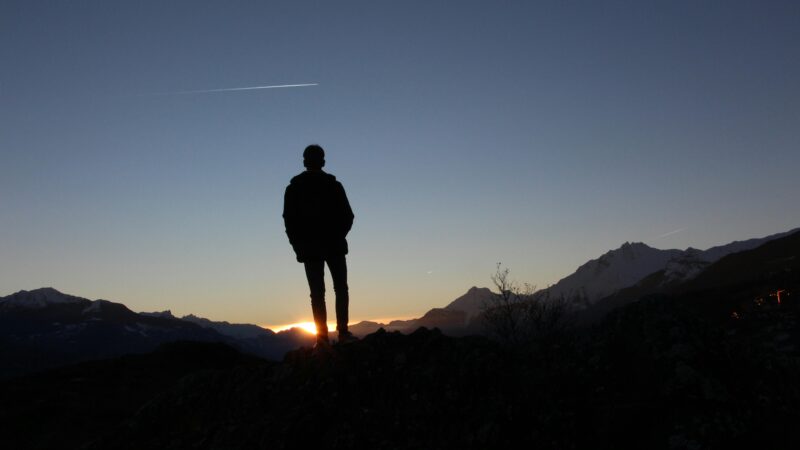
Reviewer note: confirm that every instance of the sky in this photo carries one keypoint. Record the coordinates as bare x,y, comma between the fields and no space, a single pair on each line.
538,134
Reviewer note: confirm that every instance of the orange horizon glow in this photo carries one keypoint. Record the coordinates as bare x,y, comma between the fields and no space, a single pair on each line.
310,327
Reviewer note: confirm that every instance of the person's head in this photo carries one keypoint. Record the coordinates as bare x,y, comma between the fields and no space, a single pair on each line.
314,157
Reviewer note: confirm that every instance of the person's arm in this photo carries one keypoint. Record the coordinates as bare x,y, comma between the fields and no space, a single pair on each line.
290,216
346,211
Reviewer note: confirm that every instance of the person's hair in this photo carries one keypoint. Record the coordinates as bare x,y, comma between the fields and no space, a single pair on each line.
314,157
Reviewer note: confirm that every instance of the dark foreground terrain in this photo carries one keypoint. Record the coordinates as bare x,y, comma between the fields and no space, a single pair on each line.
657,374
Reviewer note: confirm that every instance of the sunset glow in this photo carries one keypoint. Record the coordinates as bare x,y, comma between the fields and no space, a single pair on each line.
308,327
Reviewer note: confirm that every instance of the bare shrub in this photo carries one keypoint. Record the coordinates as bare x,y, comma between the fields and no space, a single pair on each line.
519,315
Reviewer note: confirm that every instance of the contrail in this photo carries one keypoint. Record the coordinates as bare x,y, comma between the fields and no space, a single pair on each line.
671,233
248,88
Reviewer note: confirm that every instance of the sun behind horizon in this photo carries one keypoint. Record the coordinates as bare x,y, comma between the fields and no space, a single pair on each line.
308,327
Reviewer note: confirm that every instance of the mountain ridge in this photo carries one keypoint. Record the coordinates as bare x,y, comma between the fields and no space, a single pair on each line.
45,328
57,319
627,265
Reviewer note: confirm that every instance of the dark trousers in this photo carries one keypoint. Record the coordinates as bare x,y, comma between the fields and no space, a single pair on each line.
315,273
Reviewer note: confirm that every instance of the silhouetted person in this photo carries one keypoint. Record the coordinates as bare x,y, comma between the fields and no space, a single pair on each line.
318,217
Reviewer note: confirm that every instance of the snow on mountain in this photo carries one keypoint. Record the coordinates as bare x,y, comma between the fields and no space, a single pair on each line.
45,328
692,261
94,308
685,266
38,299
614,270
629,264
715,253
596,279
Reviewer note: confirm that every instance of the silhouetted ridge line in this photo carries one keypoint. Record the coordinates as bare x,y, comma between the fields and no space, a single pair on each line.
653,374
44,328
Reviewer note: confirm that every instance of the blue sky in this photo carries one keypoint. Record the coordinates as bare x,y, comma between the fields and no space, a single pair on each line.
537,134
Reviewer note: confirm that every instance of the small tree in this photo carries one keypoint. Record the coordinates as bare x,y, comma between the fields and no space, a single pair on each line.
518,315
501,313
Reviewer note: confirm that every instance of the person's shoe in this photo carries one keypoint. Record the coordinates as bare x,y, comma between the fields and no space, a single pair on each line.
322,341
322,346
346,337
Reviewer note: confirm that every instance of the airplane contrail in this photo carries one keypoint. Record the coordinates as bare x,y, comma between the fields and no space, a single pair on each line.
671,233
248,88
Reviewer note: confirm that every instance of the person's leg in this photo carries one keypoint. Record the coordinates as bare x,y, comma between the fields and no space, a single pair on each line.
315,274
338,268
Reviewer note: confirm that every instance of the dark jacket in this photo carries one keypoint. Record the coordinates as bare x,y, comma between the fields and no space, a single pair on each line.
317,215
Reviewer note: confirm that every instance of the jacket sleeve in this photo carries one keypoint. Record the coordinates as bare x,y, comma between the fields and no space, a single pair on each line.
346,211
290,216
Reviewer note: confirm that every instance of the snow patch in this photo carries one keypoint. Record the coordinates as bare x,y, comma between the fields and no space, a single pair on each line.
94,308
629,264
38,299
615,270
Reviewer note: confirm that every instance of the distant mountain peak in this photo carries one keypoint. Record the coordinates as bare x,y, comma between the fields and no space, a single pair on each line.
236,330
39,298
166,314
614,270
472,302
45,291
628,244
633,261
